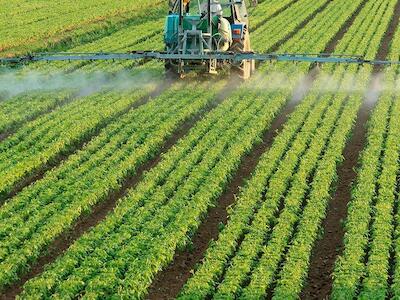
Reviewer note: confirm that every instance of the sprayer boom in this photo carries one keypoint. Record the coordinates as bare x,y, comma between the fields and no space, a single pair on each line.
218,56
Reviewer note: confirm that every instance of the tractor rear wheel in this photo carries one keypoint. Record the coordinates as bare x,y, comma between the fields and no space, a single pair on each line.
247,67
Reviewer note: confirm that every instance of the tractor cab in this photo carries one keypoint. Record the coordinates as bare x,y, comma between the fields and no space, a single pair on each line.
196,27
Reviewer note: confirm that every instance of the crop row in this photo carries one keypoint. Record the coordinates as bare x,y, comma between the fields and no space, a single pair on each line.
350,266
48,13
265,10
23,7
168,203
395,288
162,208
154,43
122,40
281,98
14,113
335,14
305,221
318,37
24,165
279,27
52,142
375,279
35,145
364,267
41,212
289,218
65,22
127,39
46,211
307,117
244,261
213,266
294,272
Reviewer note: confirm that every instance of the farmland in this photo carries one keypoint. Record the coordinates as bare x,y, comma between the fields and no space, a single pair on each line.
116,183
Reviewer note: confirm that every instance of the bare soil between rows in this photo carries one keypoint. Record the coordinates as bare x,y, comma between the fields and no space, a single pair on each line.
327,249
319,282
102,209
275,47
169,282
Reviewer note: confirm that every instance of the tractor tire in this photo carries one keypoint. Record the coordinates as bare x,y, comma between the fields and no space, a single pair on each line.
246,67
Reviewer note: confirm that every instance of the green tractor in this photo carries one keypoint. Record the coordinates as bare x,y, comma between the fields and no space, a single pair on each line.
196,27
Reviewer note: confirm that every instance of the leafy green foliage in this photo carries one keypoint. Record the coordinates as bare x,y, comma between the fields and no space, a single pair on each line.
30,26
264,245
51,134
40,213
19,109
277,217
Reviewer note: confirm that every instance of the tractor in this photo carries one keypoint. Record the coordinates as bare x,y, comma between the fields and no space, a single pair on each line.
199,27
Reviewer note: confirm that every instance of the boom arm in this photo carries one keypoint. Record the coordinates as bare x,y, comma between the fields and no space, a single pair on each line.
220,56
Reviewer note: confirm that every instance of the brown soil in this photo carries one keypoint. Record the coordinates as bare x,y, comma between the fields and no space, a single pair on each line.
169,282
101,210
4,135
275,47
387,39
273,15
340,34
326,250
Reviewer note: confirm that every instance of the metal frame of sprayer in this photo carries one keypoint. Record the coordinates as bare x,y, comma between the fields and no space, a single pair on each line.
221,56
177,39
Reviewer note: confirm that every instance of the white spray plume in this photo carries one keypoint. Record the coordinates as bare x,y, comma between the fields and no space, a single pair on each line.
376,87
324,84
13,83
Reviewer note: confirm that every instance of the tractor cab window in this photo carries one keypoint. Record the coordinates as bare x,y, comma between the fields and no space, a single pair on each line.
200,7
191,7
197,7
173,6
225,5
222,8
241,13
218,7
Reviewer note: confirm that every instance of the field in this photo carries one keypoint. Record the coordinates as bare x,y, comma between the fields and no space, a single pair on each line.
116,183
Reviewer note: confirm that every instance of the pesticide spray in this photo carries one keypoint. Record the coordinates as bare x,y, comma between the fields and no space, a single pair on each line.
325,83
13,83
83,83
